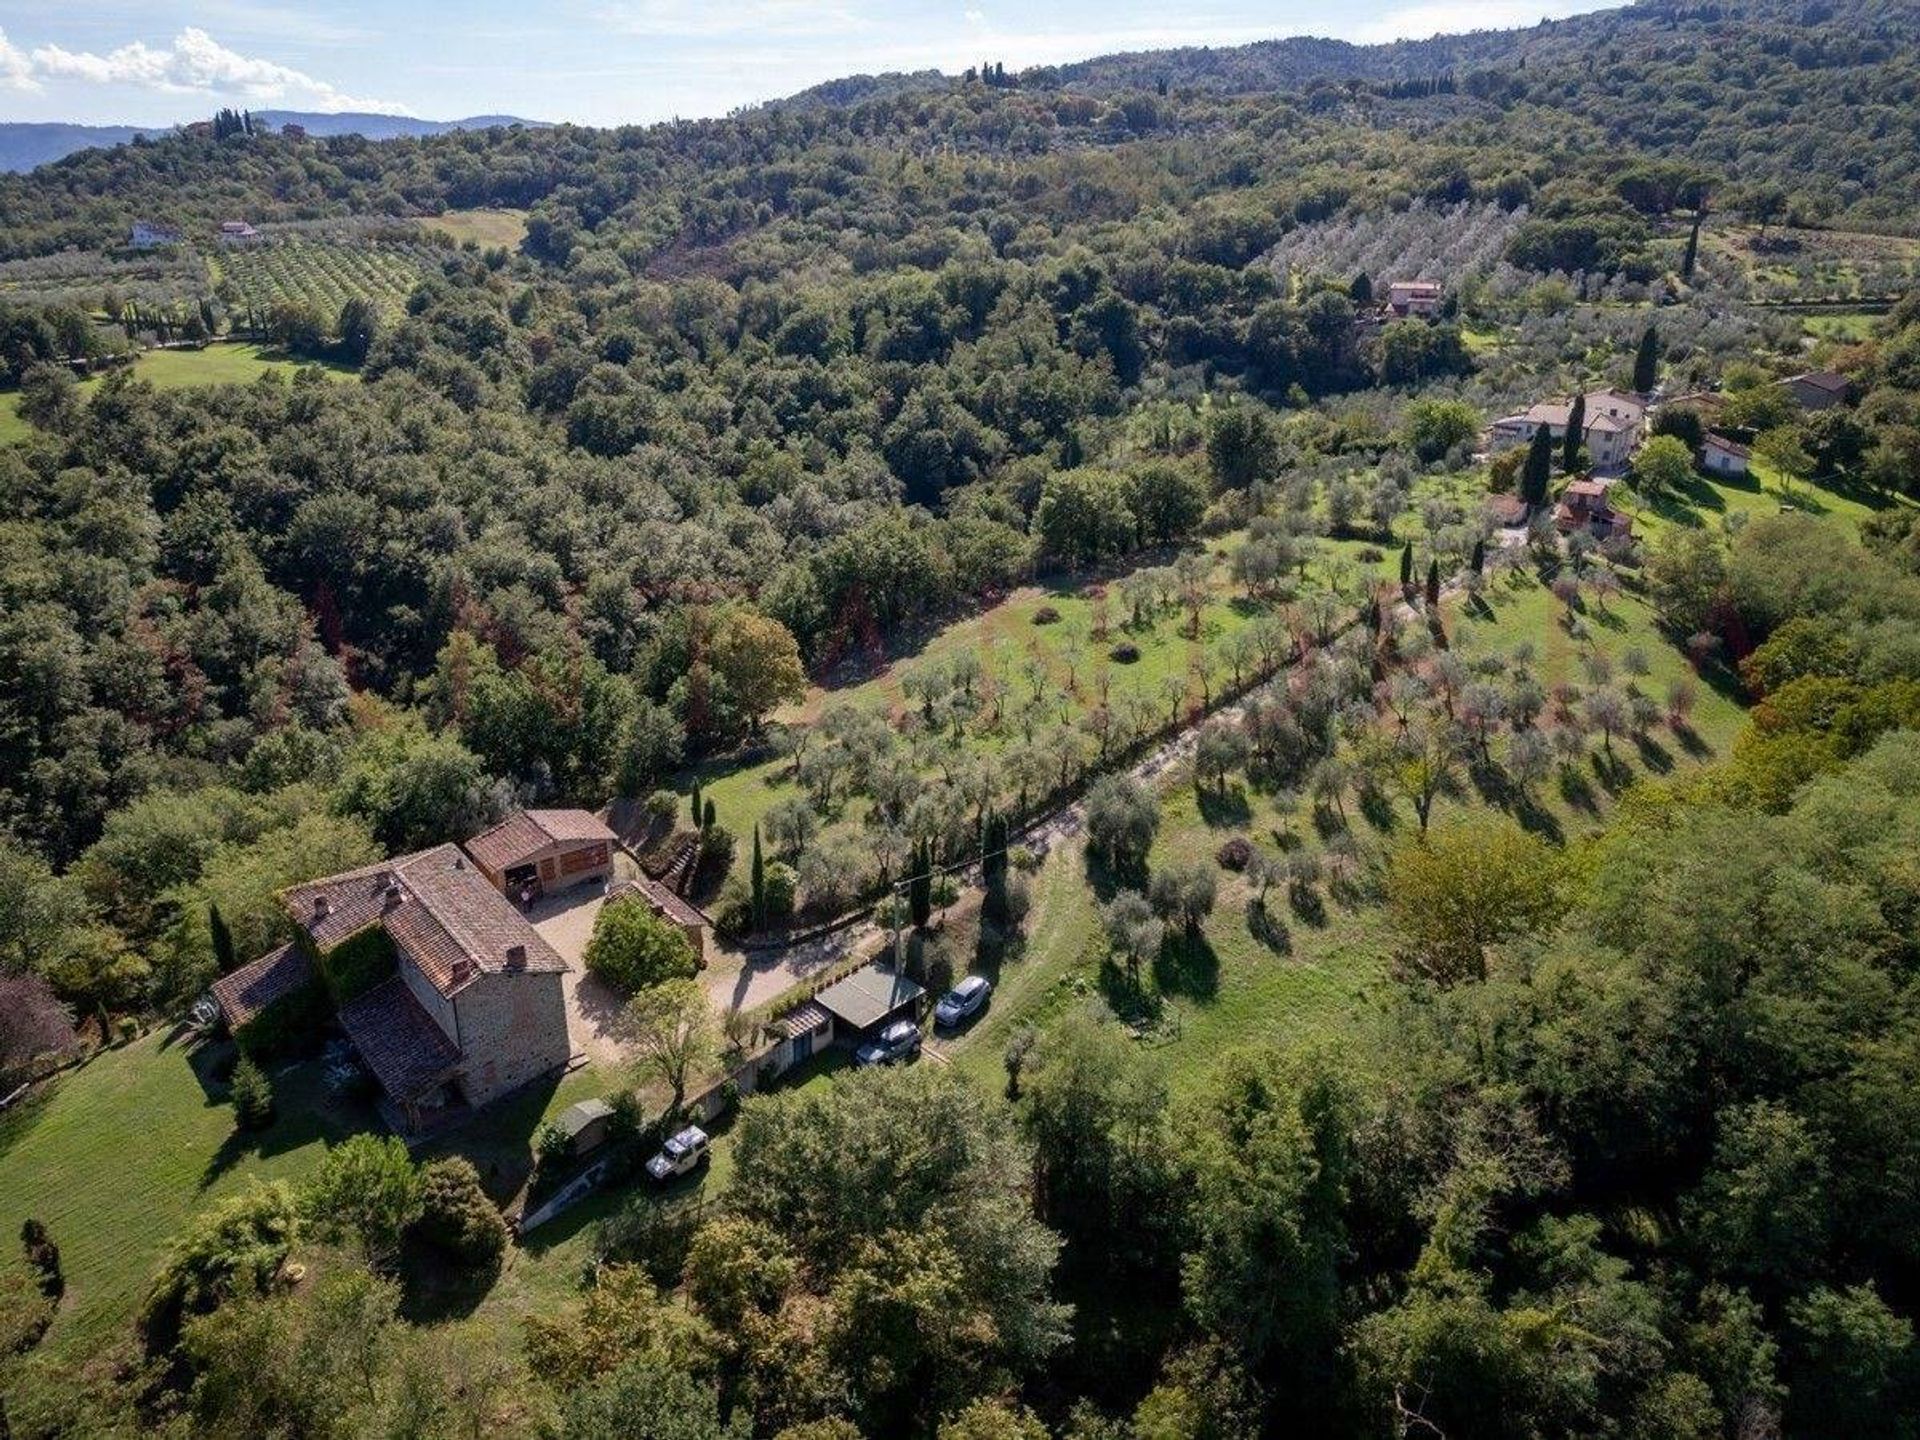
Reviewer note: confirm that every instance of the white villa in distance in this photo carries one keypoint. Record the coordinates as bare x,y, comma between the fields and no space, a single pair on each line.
1614,425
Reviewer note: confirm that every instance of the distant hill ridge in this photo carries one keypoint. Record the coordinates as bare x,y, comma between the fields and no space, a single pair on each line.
27,144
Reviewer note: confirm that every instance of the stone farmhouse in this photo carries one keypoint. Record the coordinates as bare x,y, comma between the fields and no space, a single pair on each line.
1414,297
450,996
1614,425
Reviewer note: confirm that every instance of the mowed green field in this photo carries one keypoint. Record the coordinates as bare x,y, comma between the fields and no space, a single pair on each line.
117,1156
225,363
486,228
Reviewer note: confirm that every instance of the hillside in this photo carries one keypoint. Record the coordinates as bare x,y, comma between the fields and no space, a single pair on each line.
1370,596
25,145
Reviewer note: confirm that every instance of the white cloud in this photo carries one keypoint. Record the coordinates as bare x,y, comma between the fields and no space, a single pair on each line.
1456,17
16,68
197,64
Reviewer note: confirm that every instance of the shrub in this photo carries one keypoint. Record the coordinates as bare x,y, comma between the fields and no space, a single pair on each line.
234,1249
552,1146
1046,615
633,948
716,851
252,1096
456,1217
1235,854
733,912
1369,555
781,887
126,1029
1125,653
662,805
44,1258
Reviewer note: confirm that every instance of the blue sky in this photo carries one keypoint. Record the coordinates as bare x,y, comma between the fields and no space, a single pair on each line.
152,62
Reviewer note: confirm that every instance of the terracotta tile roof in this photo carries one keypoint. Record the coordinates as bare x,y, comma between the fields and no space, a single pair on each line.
1731,447
1826,380
400,1043
660,899
249,990
438,908
1509,509
521,836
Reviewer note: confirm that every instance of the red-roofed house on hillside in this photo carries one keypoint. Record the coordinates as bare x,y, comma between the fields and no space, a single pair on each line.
1584,506
1414,297
537,852
1722,456
450,996
1613,425
1817,389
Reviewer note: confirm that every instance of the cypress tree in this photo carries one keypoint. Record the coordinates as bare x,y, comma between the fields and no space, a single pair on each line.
920,886
1576,434
1646,363
1693,250
696,803
223,957
1433,582
759,883
1406,564
1537,473
706,817
1479,557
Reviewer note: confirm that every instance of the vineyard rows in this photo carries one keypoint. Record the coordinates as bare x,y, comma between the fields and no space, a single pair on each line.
323,275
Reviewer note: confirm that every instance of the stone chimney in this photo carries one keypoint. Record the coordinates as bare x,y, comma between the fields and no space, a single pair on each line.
516,957
462,971
322,907
391,897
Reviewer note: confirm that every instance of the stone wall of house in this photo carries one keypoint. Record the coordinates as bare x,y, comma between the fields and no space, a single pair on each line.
513,1027
430,998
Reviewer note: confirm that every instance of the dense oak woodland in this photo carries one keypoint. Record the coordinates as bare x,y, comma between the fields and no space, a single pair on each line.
758,397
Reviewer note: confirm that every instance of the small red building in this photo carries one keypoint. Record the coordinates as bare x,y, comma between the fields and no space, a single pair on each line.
538,852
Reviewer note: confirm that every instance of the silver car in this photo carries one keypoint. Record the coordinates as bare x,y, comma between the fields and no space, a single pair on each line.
898,1041
963,1002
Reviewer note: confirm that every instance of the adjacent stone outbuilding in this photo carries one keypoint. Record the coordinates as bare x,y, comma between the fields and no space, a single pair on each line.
540,852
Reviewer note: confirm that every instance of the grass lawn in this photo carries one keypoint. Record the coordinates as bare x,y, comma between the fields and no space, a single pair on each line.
1711,501
486,228
1849,326
224,363
119,1154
